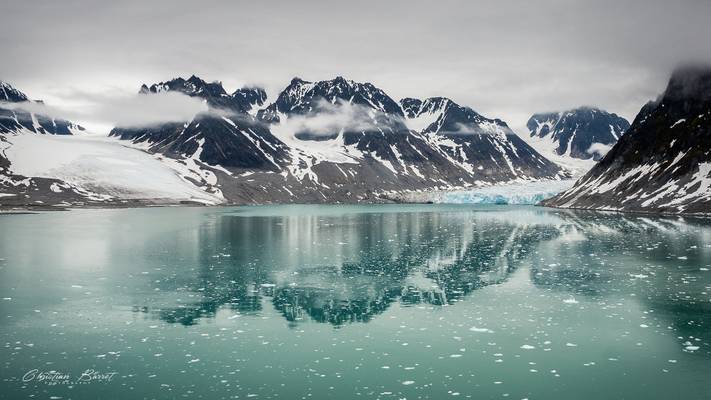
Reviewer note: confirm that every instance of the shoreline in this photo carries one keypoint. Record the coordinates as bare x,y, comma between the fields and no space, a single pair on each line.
32,209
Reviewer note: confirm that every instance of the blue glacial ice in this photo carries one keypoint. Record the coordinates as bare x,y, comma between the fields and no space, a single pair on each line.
515,193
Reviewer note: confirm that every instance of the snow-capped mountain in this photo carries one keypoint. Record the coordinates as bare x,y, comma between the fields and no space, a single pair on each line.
583,133
480,145
302,97
242,100
663,162
328,141
226,135
352,136
15,119
251,98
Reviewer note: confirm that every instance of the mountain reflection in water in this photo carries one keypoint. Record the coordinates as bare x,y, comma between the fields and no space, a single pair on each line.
348,267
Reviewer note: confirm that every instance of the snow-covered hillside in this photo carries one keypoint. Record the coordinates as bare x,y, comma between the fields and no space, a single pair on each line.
663,162
547,148
476,143
576,138
104,169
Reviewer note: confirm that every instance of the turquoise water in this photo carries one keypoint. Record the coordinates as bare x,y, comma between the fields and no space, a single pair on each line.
354,302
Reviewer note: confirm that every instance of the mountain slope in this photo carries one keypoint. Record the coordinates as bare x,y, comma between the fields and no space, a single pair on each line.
358,129
485,147
224,136
663,162
583,133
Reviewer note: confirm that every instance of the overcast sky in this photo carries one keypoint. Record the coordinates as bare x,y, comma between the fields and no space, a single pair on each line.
505,59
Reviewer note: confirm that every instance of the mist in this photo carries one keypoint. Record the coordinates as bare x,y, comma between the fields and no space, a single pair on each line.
127,110
331,119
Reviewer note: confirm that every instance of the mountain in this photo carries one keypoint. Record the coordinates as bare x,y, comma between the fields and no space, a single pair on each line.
302,97
584,132
328,141
15,119
241,100
663,162
357,129
226,136
482,146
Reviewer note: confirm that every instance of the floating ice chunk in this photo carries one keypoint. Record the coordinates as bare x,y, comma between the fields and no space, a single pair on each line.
480,330
528,347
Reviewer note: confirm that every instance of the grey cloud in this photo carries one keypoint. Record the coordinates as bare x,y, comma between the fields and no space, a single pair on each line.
599,148
123,110
504,59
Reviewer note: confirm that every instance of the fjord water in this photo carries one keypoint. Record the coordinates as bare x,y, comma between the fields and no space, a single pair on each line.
354,302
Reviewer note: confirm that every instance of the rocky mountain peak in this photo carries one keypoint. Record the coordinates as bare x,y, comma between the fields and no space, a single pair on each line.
689,83
582,132
302,97
10,94
250,98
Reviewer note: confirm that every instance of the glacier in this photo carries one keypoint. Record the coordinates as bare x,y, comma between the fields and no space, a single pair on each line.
512,193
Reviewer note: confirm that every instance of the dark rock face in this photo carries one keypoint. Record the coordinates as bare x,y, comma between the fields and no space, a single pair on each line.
17,120
486,147
575,132
663,162
225,136
242,100
250,98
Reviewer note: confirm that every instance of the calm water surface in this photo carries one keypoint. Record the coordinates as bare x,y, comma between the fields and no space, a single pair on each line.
354,302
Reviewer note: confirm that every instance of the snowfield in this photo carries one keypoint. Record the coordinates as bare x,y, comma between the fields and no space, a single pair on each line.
103,166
